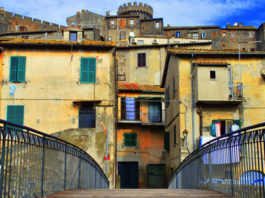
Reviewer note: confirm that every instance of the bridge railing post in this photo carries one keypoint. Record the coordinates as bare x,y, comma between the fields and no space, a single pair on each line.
43,166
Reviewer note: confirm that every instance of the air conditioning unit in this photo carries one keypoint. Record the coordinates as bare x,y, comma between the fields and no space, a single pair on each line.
133,41
155,41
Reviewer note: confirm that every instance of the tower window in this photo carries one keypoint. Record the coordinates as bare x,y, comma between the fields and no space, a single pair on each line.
212,75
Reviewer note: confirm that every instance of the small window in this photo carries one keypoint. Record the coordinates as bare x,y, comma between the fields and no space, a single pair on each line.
157,25
203,35
131,22
73,36
130,139
112,22
140,42
15,114
233,35
87,116
224,34
122,35
178,34
251,34
195,36
212,75
110,39
17,69
88,70
141,60
175,136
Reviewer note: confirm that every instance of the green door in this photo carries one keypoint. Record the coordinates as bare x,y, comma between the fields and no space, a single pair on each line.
156,175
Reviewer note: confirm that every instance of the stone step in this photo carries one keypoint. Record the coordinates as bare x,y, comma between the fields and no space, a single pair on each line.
139,193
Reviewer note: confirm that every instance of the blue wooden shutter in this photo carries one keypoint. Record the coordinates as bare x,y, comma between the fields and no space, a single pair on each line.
13,69
92,70
84,70
154,111
21,69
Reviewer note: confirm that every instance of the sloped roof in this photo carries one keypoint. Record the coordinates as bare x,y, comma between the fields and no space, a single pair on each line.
130,86
56,42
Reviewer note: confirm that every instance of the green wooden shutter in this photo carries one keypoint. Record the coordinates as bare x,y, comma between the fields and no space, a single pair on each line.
21,69
13,69
84,70
92,70
166,141
15,114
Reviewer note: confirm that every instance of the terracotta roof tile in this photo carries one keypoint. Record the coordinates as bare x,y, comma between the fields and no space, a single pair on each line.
57,42
137,86
210,51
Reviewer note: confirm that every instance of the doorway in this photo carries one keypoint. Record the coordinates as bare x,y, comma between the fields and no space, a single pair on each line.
128,172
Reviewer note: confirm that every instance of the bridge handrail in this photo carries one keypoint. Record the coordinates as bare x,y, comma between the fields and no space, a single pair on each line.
236,139
13,136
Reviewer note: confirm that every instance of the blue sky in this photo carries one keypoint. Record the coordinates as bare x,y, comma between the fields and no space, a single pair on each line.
174,12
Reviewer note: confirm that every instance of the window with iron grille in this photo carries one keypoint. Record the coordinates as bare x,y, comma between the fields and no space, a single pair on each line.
88,70
130,139
15,114
17,69
87,115
141,60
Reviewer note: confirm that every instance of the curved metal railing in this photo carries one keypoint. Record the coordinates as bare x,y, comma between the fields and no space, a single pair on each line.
34,164
232,164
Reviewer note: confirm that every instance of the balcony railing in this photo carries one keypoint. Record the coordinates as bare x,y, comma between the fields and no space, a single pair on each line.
237,91
142,116
232,164
34,164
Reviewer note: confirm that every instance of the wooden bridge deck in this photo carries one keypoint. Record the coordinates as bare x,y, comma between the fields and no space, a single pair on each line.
139,193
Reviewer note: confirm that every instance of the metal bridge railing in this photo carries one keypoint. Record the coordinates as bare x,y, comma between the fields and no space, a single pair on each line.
34,164
232,164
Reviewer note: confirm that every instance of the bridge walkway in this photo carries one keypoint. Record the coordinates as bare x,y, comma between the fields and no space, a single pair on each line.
139,193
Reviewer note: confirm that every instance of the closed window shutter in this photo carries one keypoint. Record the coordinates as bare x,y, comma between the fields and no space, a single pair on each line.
92,70
21,69
84,70
13,69
123,108
166,141
154,111
137,109
87,116
15,114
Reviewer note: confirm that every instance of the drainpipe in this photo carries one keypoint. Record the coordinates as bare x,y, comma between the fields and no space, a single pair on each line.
201,120
192,107
115,114
107,146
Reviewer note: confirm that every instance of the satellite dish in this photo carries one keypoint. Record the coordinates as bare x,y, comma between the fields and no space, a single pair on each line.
132,35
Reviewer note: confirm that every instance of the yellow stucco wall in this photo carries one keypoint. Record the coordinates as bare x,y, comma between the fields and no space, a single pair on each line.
250,111
52,95
151,74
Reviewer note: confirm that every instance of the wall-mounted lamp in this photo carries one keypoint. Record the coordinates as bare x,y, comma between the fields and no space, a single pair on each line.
185,134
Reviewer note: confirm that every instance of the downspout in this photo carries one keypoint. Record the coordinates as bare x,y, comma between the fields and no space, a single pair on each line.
192,107
201,120
115,114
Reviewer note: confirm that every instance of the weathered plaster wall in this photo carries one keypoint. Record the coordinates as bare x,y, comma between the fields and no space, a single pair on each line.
129,70
52,95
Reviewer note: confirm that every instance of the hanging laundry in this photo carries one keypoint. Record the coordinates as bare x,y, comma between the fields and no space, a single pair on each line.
12,89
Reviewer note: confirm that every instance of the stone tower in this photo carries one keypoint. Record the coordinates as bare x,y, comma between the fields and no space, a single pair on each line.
143,10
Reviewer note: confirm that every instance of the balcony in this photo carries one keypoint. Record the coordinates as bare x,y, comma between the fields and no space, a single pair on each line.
142,117
232,95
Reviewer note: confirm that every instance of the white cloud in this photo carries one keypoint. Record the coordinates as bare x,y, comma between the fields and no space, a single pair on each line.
174,12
